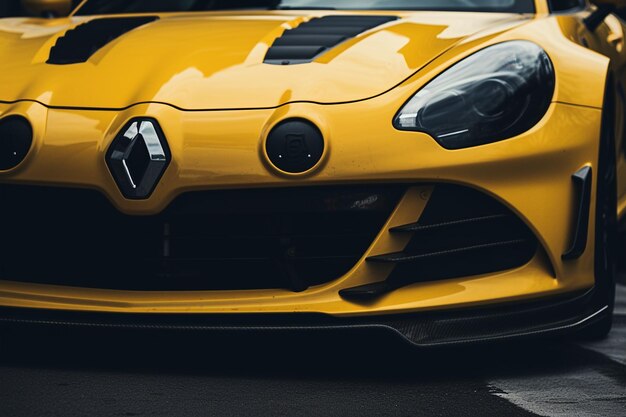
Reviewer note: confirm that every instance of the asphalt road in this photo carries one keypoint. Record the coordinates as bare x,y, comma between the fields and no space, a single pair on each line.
120,374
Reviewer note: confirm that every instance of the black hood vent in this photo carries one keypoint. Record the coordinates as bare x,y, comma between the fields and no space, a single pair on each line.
310,39
80,43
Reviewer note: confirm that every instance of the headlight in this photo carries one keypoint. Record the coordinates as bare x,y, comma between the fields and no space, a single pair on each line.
494,94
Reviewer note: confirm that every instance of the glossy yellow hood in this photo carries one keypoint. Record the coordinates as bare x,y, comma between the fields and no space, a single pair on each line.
215,60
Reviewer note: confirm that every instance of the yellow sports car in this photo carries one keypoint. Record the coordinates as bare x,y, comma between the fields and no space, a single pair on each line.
449,171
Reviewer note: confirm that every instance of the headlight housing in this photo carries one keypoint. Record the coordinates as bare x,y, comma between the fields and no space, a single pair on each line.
492,95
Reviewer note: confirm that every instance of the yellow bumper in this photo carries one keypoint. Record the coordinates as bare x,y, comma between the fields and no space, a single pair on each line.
531,174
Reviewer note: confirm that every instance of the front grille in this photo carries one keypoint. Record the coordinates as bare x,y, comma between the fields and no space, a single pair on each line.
216,240
462,232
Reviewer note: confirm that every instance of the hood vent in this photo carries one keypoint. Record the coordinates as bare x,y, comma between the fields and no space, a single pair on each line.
80,43
304,43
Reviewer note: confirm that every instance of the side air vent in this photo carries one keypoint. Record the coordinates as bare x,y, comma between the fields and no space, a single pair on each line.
80,43
461,233
310,39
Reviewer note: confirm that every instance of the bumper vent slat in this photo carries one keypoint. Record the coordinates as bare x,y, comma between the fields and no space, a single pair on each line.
404,257
417,227
307,41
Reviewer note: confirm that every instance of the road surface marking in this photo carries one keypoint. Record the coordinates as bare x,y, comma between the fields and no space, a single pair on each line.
582,391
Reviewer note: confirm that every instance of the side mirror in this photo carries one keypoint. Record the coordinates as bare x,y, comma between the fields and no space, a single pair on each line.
47,8
605,8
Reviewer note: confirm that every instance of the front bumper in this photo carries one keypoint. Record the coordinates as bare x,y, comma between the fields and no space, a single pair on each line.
224,150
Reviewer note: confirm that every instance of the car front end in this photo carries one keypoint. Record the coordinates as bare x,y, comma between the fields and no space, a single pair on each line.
223,187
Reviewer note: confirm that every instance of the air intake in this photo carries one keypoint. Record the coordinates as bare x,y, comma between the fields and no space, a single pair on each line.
461,233
286,238
302,44
79,44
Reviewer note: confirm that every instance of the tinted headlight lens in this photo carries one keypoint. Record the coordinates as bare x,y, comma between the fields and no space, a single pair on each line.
494,94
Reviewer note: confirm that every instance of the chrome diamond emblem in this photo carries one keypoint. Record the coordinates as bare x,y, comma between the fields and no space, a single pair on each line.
138,157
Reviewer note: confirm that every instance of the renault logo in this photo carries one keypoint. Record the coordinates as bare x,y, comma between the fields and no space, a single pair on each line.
138,157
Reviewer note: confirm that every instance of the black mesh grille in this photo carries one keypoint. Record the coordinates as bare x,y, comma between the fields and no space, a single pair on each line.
218,240
462,232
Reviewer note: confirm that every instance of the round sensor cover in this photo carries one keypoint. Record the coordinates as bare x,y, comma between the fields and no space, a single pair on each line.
295,146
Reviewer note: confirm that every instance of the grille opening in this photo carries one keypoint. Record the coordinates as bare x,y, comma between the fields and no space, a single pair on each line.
462,232
214,240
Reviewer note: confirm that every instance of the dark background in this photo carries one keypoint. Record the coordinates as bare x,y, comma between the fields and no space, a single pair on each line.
9,8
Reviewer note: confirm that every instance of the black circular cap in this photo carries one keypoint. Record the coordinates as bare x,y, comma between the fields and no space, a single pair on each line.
16,137
295,146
